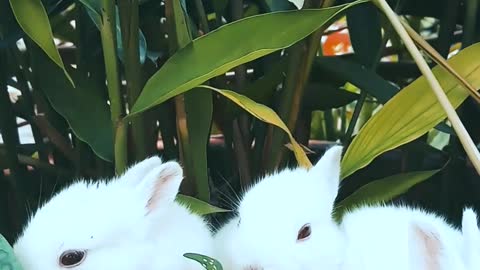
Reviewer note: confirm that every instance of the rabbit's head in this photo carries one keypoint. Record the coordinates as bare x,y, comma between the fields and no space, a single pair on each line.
285,221
131,222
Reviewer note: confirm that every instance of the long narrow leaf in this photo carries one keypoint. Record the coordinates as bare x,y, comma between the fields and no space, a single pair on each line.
435,56
382,190
197,206
90,125
266,115
33,19
230,46
412,112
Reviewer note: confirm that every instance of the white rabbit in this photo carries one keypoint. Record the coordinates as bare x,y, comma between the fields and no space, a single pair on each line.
432,249
401,238
285,222
471,236
129,223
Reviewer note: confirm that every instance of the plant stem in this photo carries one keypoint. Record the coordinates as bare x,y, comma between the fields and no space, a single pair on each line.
128,11
109,41
83,154
363,94
202,16
240,124
467,143
178,38
356,114
301,57
193,111
435,56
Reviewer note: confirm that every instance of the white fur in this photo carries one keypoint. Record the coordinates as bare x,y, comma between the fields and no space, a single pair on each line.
471,236
368,238
131,222
273,211
395,237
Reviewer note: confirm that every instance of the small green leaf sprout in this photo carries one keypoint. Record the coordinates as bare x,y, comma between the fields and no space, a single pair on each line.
207,262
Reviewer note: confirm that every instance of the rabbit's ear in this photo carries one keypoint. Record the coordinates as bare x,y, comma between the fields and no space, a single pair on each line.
327,170
161,185
138,171
424,247
471,238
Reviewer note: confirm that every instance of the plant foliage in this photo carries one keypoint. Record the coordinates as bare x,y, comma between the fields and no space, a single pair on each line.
234,90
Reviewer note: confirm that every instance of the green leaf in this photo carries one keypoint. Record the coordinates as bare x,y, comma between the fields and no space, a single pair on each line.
8,261
33,19
229,46
365,33
197,206
94,11
95,8
194,114
322,96
84,107
199,113
412,112
141,39
355,74
261,90
382,190
364,79
266,115
207,262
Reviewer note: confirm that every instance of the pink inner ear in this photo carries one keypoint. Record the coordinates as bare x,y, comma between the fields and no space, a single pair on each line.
429,245
162,188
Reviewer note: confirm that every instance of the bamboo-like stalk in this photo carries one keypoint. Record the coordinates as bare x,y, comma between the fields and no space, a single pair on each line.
109,41
180,37
240,124
301,57
128,11
467,143
435,56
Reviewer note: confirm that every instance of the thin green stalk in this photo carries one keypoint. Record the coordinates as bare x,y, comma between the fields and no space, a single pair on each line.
109,41
344,120
240,124
356,114
301,57
465,139
435,56
128,11
363,94
202,16
329,125
193,113
83,153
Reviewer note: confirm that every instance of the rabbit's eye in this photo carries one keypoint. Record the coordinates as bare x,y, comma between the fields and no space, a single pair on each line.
72,258
304,232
